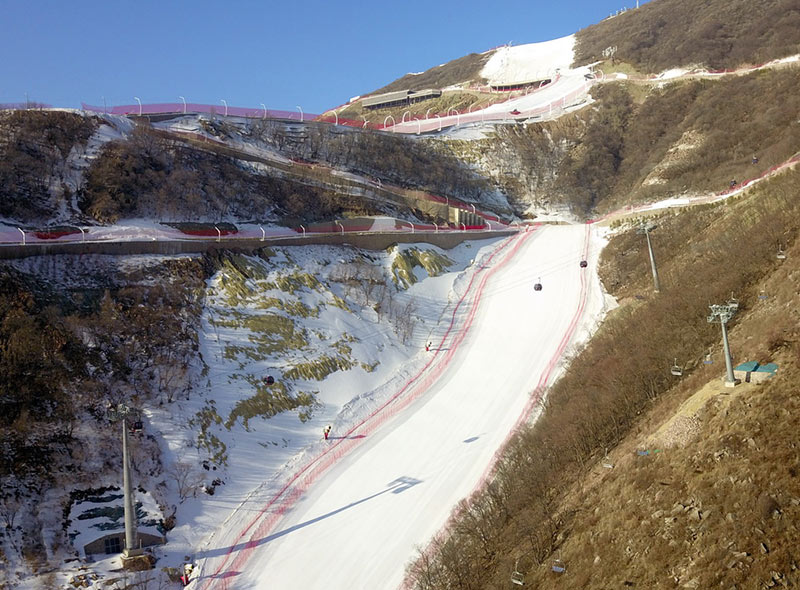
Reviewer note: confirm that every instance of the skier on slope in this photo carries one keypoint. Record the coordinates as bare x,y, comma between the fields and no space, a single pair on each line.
187,573
326,431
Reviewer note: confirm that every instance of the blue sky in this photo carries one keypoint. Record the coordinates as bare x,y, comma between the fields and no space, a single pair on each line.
313,54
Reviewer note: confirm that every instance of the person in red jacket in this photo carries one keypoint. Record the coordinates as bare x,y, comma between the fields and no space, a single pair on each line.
326,431
187,574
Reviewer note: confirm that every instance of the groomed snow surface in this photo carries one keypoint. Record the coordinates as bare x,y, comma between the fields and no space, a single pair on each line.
351,512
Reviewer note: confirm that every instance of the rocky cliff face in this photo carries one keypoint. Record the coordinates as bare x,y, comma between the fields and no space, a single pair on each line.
524,161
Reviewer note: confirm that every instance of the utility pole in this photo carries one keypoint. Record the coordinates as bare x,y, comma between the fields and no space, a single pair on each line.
724,313
645,229
131,538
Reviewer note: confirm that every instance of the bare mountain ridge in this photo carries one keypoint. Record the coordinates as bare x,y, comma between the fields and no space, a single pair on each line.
658,36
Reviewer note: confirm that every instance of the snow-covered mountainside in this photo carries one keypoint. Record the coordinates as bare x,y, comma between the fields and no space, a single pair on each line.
421,361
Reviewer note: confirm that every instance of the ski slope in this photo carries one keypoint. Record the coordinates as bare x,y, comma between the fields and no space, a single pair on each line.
356,515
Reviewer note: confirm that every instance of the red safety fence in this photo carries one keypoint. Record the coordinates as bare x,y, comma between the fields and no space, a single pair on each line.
714,196
178,108
18,236
460,118
209,232
272,512
54,233
173,108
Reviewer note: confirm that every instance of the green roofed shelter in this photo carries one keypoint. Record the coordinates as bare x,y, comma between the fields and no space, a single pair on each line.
752,372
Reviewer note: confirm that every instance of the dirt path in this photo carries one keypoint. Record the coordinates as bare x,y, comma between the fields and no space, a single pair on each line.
679,429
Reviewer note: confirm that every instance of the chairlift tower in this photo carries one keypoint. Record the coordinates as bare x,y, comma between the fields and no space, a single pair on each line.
724,313
131,537
645,228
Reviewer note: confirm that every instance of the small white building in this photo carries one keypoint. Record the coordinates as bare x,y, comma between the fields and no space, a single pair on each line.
97,522
752,372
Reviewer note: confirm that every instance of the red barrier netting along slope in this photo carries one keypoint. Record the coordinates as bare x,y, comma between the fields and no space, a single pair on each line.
534,398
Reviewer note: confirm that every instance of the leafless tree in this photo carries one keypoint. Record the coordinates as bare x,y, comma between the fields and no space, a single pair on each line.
9,508
187,478
404,321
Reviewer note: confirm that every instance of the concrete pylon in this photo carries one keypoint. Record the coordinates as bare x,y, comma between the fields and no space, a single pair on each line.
131,538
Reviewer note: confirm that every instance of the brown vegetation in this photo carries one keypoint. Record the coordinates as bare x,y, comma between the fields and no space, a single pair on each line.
715,33
634,147
699,135
400,160
33,148
153,176
65,353
463,69
534,503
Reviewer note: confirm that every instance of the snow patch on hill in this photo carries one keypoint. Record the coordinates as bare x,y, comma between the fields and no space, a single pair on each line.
531,61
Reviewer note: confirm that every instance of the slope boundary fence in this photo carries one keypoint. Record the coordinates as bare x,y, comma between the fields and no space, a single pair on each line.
535,397
436,123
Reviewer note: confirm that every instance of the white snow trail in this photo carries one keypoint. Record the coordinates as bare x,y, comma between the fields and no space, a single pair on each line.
363,512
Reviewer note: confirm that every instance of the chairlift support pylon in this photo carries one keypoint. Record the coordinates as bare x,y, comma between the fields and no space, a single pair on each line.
517,576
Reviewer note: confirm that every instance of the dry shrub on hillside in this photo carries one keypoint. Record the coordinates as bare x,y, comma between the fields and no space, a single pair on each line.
463,69
718,511
152,176
33,148
62,354
587,173
690,136
719,34
698,134
393,158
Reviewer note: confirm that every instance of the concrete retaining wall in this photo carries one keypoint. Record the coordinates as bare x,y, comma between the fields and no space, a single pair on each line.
368,241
